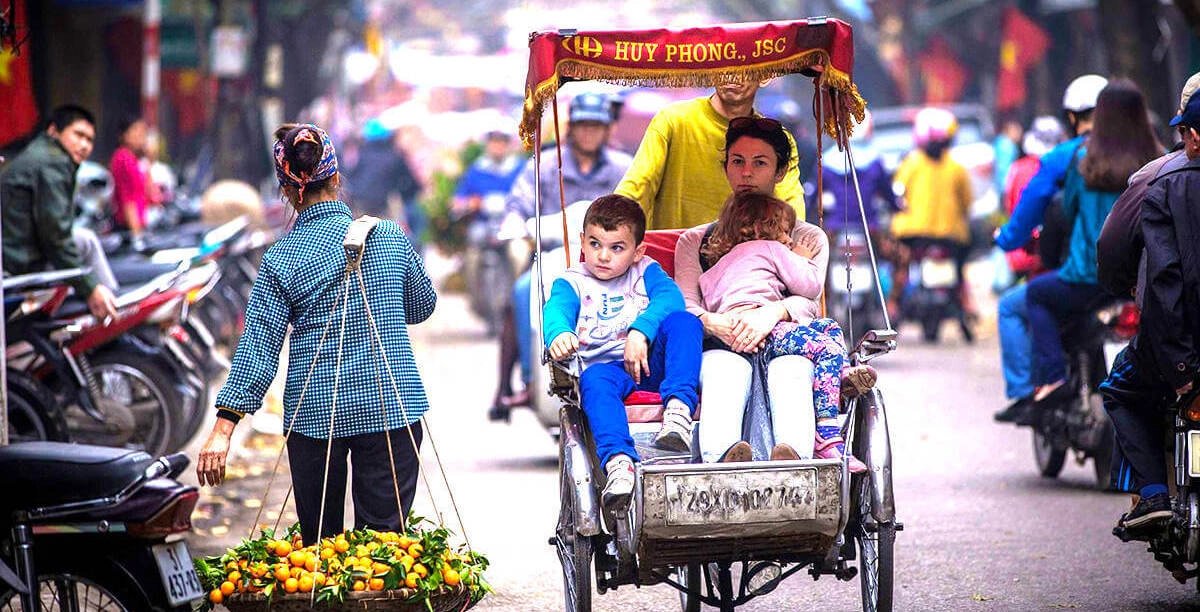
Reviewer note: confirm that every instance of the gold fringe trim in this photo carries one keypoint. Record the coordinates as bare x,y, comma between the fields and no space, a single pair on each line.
852,103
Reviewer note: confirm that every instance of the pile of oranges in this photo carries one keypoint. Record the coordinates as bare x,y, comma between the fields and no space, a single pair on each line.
366,560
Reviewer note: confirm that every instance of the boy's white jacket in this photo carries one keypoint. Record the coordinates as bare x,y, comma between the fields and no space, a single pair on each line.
601,312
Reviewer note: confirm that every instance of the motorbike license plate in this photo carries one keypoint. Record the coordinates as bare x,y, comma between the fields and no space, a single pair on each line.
936,274
1193,451
766,496
178,575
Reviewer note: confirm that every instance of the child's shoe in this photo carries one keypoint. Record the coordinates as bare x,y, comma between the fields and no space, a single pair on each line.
619,486
857,380
676,431
834,447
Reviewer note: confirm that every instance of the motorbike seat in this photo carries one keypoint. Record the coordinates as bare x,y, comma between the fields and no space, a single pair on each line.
133,272
39,474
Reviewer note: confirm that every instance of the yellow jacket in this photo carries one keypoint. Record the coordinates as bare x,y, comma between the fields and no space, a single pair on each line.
678,173
938,197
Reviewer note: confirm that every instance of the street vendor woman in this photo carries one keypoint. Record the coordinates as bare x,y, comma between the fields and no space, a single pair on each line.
298,284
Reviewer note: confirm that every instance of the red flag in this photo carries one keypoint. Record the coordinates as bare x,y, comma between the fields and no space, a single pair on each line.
1024,43
945,76
18,109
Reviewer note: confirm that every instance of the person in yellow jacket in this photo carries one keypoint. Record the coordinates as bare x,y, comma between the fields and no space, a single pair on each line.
937,196
678,173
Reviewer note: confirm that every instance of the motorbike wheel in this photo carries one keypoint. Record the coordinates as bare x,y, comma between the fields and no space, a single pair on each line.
689,577
930,327
876,553
144,385
62,588
495,285
1049,458
33,411
574,553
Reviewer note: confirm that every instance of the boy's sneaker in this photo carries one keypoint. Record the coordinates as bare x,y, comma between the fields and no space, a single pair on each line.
676,431
619,486
1149,512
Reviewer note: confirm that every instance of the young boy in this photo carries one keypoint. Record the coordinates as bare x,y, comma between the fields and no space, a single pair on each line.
624,315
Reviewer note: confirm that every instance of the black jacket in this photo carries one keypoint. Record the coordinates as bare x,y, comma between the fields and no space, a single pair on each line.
1119,249
1171,301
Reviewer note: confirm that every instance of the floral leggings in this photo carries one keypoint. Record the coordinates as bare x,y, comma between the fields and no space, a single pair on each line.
820,341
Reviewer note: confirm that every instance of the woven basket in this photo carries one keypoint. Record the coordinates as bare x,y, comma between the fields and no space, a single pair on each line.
454,599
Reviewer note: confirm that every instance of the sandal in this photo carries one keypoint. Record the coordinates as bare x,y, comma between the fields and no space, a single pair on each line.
835,448
857,380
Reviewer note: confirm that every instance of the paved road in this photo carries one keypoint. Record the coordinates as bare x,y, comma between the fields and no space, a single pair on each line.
982,530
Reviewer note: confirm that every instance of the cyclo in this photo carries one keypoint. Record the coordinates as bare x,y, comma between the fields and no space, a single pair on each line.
691,524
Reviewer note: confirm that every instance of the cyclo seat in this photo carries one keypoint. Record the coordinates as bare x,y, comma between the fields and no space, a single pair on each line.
38,474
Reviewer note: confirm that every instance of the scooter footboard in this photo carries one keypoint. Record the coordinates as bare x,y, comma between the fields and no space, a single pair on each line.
714,511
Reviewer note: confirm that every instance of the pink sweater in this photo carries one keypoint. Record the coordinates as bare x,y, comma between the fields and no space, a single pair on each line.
758,272
688,271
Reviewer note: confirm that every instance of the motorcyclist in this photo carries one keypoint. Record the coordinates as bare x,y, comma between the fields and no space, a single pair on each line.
590,169
937,195
1079,100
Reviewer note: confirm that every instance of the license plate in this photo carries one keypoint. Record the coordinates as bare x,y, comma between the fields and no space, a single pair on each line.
1193,451
742,497
936,274
178,575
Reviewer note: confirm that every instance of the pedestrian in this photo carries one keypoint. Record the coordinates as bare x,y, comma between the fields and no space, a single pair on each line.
298,285
130,193
37,189
676,174
626,319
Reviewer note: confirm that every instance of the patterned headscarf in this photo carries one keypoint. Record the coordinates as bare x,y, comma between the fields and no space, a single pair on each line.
325,169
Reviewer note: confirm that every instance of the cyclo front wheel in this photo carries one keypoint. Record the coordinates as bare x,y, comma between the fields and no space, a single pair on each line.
574,552
876,543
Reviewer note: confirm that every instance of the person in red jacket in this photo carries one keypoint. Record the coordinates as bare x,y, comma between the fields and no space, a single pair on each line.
1044,134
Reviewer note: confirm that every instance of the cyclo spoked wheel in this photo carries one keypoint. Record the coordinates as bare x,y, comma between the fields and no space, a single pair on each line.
876,543
574,553
690,577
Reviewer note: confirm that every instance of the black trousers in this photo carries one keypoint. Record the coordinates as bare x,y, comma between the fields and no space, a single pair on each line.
1137,402
372,489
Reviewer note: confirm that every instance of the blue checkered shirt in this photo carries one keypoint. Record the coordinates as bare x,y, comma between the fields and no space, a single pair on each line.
298,282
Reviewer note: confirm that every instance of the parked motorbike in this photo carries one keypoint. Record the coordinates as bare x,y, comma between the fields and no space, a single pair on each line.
1078,422
88,527
934,290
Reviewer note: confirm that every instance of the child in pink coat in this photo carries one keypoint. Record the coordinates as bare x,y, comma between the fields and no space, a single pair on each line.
754,264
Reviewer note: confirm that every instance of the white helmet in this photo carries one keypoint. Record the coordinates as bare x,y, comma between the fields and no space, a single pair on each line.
1082,93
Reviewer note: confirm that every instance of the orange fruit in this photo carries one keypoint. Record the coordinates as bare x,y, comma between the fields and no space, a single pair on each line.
318,579
359,585
341,546
295,572
372,546
380,569
215,596
407,562
227,587
232,565
450,576
306,584
410,580
291,585
420,570
234,576
283,549
297,558
327,553
310,564
282,572
415,550
376,584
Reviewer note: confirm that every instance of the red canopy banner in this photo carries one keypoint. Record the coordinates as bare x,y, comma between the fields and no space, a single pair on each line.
695,57
18,110
945,76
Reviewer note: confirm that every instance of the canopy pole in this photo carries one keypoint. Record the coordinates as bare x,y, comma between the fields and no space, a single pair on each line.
537,226
818,108
562,196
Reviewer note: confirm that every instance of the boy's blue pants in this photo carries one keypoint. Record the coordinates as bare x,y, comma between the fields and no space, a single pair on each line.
604,386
